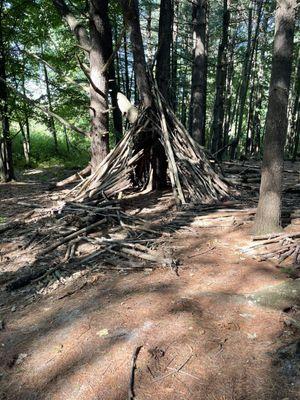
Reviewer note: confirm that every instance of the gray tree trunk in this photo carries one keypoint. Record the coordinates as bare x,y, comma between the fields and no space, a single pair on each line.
131,14
96,44
268,216
199,71
218,115
51,122
163,64
6,160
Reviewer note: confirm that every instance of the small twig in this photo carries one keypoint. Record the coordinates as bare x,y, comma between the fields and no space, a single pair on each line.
175,371
131,395
203,252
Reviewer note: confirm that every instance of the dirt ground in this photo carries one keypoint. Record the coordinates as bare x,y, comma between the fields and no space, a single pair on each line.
218,330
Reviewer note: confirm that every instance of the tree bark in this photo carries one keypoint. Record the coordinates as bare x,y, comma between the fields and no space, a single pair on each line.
163,64
131,14
97,46
294,120
251,45
199,71
174,77
51,122
218,114
6,159
268,216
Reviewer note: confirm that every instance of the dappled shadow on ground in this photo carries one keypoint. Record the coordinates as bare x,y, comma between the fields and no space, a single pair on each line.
81,346
202,332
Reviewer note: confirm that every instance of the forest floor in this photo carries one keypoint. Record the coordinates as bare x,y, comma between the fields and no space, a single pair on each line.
219,330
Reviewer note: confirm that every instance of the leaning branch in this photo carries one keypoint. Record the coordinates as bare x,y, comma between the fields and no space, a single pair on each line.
45,110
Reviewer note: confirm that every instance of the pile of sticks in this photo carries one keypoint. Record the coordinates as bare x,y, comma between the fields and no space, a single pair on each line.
192,176
281,246
117,238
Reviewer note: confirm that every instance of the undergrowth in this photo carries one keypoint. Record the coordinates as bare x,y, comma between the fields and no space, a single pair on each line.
43,154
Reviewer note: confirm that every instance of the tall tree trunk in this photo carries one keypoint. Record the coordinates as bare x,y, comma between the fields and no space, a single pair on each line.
100,50
218,114
131,13
25,131
96,44
268,216
175,56
199,71
251,45
6,160
294,119
163,64
149,51
228,97
113,89
127,81
25,143
51,122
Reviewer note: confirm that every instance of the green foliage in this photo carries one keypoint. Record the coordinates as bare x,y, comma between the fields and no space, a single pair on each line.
43,154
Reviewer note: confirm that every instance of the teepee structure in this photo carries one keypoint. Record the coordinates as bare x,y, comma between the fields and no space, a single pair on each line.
130,164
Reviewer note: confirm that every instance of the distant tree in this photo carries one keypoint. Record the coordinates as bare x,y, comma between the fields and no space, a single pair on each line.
132,18
199,71
163,64
268,215
218,113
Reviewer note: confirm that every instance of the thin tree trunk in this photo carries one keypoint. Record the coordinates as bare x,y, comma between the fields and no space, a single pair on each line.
113,89
268,216
251,45
149,51
26,131
163,64
67,139
131,13
127,81
6,159
218,114
228,98
175,56
51,122
199,71
294,119
25,143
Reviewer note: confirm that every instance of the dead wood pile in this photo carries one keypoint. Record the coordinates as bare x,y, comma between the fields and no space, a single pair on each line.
281,247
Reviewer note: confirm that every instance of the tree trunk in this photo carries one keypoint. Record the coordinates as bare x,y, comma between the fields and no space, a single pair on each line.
218,115
131,13
113,89
149,52
199,71
174,93
294,120
100,51
127,82
51,122
251,45
6,160
163,64
96,45
25,143
229,92
268,216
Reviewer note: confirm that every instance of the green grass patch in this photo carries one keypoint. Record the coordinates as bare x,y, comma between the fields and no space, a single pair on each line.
43,154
